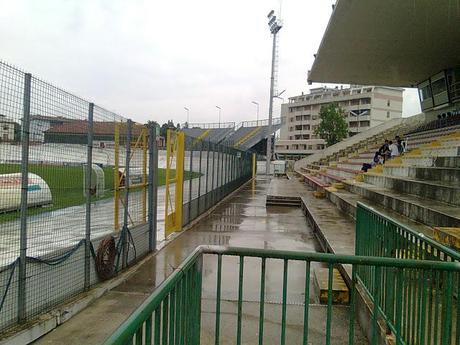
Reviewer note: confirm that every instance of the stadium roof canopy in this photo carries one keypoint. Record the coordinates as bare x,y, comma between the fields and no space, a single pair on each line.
388,42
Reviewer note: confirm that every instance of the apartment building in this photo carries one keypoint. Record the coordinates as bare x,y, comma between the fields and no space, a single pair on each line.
365,107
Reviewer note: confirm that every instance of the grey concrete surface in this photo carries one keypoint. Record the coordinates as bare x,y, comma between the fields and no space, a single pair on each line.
272,324
242,220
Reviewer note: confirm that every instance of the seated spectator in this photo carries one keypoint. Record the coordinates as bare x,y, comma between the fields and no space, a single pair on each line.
401,145
375,161
394,149
384,150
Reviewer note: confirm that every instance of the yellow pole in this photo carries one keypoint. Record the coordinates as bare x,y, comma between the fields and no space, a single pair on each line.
116,178
254,165
144,174
180,154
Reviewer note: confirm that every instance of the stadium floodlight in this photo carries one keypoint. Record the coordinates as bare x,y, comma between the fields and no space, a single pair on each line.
188,114
275,26
257,112
220,113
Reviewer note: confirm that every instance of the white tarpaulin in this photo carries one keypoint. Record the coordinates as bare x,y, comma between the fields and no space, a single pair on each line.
38,192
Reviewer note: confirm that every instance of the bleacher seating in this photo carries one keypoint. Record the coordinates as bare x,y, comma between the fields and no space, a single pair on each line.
421,188
214,135
444,120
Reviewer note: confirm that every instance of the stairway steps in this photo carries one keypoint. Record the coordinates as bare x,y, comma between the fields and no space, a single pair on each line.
441,174
438,191
347,202
429,212
342,172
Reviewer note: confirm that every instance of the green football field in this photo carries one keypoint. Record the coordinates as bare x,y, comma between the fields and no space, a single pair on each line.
66,185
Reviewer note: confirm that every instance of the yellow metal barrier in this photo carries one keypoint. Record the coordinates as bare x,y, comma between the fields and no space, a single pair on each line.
254,165
141,142
175,147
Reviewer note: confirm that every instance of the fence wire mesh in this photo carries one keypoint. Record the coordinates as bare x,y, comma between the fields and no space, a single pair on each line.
78,192
212,171
60,157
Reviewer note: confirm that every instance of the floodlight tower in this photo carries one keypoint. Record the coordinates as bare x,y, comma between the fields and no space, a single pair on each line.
275,26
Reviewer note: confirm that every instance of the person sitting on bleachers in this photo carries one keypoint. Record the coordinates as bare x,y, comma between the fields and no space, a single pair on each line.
384,150
375,161
394,149
401,145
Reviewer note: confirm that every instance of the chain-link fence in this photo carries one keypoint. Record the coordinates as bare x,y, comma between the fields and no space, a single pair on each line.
79,194
216,171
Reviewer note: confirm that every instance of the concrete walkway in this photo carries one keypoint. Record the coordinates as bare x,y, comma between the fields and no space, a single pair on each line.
242,220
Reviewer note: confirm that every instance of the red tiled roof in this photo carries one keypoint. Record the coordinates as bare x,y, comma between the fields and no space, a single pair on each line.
81,127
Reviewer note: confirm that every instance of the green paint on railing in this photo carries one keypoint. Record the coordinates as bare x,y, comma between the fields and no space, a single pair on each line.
175,306
416,304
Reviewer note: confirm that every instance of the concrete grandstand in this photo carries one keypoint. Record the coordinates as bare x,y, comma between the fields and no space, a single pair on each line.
245,136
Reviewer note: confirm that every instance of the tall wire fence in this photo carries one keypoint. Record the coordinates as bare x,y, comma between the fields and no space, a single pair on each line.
72,175
81,193
216,170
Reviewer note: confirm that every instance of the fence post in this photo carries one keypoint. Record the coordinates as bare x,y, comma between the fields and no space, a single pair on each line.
24,189
207,176
190,182
212,173
152,183
199,178
125,243
89,171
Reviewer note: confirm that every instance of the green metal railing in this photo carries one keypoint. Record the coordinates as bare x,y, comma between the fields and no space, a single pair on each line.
172,314
413,303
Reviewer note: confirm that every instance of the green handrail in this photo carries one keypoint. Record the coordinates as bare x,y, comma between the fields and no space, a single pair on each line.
176,302
416,317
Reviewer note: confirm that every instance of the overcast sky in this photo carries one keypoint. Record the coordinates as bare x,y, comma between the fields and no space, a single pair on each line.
148,59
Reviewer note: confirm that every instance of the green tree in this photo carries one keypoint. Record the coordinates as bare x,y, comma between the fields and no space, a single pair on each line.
333,126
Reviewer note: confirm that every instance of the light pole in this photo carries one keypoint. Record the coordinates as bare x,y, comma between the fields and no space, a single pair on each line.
188,115
257,113
220,113
275,26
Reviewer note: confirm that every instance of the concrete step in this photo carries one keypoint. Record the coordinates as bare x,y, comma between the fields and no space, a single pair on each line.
442,140
353,165
442,151
421,161
439,191
342,172
449,175
347,202
433,133
428,212
340,292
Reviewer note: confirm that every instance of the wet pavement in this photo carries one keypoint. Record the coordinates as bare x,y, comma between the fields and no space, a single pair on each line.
242,220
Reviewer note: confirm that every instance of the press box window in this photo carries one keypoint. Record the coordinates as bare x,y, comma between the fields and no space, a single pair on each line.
426,97
439,89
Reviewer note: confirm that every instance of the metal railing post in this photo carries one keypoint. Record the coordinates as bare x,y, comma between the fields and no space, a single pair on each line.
24,189
152,183
89,170
207,176
190,185
199,177
212,173
126,196
221,172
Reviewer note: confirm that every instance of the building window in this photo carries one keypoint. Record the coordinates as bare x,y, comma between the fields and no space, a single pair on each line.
298,118
5,128
291,129
291,110
388,103
388,114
